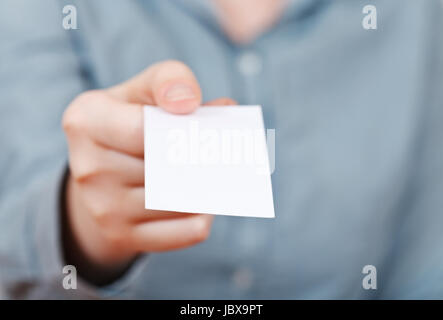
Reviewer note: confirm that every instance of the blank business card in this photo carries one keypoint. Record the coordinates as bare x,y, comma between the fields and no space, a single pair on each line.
213,161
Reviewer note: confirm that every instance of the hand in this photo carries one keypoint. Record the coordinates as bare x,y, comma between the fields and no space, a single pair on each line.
107,223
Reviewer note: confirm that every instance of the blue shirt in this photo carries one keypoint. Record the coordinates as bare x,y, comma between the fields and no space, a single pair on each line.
358,117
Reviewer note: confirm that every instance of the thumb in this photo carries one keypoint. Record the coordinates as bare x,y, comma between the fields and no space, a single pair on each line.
169,84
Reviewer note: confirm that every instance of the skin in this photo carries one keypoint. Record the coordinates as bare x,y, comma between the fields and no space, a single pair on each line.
105,225
240,25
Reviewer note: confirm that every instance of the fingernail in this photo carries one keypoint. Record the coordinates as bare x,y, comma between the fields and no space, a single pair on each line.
180,92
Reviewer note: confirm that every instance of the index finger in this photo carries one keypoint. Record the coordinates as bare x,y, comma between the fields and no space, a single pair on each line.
110,123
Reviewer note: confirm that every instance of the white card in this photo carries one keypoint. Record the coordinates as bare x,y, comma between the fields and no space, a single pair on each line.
213,161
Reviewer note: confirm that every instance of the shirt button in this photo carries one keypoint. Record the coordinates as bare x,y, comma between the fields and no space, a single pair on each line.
242,278
250,64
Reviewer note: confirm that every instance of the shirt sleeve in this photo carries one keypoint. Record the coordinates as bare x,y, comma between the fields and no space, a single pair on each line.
40,73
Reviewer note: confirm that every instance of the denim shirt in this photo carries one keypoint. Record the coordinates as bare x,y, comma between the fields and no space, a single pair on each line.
358,119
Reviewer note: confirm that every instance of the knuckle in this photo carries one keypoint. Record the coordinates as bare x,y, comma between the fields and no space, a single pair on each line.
84,169
72,119
74,116
84,172
170,68
102,213
175,64
90,97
